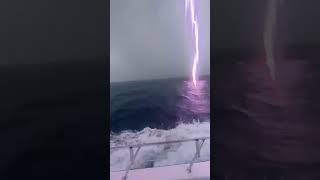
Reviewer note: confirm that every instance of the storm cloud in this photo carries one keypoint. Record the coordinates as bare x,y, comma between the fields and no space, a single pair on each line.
149,39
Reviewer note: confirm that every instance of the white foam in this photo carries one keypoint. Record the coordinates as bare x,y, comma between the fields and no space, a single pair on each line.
160,155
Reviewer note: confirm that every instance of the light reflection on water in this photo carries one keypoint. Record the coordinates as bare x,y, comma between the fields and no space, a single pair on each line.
195,101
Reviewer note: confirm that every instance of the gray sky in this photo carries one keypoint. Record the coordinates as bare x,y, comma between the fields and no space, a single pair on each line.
149,39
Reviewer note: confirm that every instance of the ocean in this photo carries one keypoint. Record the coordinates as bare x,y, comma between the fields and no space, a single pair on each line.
261,127
264,128
156,111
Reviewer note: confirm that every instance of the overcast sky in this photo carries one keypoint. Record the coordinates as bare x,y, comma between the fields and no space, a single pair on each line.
149,39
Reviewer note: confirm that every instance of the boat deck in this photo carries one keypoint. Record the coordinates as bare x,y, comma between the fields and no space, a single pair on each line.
200,171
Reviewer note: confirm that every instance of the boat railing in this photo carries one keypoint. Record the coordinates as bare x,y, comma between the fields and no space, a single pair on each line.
134,150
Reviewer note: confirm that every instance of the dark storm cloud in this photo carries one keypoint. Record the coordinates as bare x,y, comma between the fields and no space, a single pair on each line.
149,39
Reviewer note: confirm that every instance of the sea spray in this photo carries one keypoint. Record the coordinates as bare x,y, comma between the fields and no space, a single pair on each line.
161,155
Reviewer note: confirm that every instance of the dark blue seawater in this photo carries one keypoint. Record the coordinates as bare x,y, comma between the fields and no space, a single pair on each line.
160,104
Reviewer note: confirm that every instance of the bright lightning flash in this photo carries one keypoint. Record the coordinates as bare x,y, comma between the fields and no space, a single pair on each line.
190,6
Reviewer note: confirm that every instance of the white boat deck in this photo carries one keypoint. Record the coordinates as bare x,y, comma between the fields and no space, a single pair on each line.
200,171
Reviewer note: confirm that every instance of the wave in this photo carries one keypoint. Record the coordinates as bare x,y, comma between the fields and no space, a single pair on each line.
160,155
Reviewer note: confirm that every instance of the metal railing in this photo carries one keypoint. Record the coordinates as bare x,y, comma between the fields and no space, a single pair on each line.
133,154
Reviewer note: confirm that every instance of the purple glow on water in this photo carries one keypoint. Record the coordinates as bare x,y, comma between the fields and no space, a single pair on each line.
195,103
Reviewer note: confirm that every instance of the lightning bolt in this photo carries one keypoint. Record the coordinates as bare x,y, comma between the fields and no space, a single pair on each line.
270,24
190,6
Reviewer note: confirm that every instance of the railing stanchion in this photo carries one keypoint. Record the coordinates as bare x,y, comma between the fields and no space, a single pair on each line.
132,158
131,154
196,155
197,148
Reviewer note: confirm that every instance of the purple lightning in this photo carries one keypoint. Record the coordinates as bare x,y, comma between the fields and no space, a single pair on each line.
190,6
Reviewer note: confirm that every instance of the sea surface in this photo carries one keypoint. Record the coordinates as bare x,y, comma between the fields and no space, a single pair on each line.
262,127
266,127
156,111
